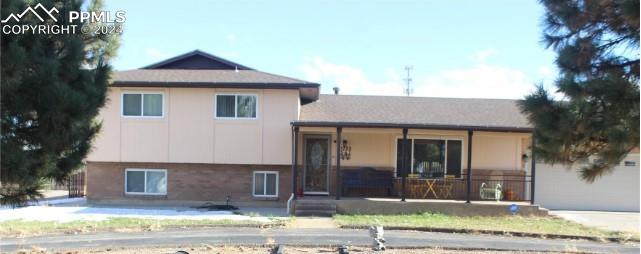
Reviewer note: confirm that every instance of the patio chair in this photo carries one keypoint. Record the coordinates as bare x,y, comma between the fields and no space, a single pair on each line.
446,186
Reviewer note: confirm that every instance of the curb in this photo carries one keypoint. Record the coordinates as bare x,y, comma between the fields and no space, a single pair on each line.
285,246
501,233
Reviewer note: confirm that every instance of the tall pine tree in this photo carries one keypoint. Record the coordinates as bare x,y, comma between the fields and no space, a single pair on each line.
52,87
597,45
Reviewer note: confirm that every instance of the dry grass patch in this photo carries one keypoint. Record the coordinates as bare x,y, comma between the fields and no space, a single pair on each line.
31,228
537,225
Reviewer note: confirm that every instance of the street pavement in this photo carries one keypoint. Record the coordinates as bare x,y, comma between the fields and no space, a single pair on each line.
617,221
306,237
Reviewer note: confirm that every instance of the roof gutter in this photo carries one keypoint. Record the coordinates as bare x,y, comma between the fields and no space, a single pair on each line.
309,92
212,84
411,126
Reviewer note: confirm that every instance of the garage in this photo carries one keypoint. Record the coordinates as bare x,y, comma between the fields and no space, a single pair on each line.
558,188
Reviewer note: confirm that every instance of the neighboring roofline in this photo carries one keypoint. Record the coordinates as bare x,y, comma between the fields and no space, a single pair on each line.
212,84
201,53
410,126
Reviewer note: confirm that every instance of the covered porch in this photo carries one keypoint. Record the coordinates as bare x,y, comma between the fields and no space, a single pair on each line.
411,163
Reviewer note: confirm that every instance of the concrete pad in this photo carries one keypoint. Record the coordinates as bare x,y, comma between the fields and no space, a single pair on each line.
617,221
313,222
264,211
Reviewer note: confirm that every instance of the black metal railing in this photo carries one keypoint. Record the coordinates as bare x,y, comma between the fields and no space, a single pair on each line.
76,184
483,187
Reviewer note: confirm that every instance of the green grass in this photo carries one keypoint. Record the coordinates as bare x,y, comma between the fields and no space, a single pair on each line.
22,227
540,225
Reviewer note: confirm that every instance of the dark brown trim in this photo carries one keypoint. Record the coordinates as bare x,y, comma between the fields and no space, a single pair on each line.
411,126
308,91
231,64
533,170
214,85
404,168
468,186
294,161
339,140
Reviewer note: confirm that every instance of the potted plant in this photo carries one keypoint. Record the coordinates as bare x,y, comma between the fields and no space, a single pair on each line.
508,194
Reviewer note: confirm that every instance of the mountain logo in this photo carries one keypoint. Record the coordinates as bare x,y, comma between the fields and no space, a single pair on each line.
34,12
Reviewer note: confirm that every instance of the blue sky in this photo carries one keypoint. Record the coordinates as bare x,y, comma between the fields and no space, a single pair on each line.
487,49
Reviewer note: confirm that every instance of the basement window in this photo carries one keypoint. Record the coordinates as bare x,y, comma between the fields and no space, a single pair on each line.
265,184
146,181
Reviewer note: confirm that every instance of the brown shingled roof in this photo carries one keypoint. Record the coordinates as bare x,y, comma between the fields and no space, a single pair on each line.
214,79
204,77
451,113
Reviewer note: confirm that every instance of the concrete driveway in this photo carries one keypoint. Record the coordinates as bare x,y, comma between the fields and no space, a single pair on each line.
619,221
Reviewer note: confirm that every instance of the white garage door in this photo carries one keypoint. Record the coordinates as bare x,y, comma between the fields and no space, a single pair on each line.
560,188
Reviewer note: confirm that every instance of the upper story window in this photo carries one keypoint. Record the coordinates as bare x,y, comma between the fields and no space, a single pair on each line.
236,105
142,104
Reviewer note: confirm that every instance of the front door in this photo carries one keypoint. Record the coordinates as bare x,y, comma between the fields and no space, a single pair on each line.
316,164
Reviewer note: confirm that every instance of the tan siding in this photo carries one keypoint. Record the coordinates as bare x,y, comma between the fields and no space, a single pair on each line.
277,116
189,133
190,126
107,142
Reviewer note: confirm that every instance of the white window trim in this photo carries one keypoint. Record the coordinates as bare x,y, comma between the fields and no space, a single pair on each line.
142,102
411,138
235,117
145,181
264,183
633,163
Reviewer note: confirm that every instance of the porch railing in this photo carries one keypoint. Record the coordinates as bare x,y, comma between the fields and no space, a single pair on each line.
484,187
76,184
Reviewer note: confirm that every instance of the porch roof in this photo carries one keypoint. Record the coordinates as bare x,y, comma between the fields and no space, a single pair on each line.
414,113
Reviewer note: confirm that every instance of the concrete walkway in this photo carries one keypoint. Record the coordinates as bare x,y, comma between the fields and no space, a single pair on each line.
617,221
307,237
312,222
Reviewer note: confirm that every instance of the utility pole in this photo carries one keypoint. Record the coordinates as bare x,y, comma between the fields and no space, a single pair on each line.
408,80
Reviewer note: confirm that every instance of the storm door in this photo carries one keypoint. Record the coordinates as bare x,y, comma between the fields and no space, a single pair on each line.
316,163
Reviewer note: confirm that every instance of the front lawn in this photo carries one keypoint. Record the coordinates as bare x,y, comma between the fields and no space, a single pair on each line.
539,225
120,224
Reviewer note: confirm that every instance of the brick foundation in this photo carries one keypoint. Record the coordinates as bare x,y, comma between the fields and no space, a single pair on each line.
187,183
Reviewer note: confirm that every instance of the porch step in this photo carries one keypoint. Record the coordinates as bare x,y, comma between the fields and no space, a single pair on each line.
315,209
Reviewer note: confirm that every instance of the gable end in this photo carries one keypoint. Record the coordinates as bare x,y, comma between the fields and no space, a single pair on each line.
197,60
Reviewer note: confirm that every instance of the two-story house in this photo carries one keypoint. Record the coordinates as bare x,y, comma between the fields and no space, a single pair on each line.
197,128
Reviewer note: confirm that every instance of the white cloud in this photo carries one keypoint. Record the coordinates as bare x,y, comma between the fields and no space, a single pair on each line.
351,80
156,54
231,38
479,81
483,55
